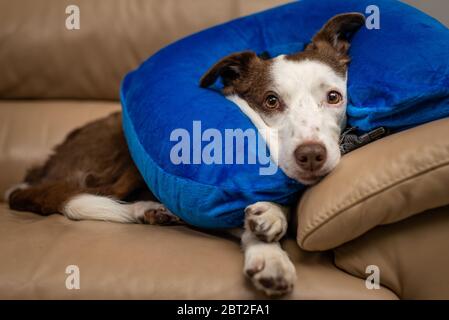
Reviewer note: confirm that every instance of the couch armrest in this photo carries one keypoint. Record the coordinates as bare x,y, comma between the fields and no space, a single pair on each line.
384,182
411,256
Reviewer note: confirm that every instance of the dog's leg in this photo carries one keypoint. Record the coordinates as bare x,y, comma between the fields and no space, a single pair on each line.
44,199
60,197
266,264
92,207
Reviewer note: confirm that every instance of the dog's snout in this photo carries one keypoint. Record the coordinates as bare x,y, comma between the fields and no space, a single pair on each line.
311,156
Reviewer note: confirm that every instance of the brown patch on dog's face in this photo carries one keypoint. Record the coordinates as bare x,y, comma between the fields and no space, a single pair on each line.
248,76
331,44
325,56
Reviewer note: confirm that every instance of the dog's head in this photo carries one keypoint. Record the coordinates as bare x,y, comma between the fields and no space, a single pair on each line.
301,98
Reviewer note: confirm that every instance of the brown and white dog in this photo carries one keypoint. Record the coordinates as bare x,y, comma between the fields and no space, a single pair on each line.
298,101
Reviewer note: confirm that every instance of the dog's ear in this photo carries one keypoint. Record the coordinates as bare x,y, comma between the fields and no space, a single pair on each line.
333,38
230,69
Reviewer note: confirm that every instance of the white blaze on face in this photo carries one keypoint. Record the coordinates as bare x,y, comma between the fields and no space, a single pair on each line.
303,87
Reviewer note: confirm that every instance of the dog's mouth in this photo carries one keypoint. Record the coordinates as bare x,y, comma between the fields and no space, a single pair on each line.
310,178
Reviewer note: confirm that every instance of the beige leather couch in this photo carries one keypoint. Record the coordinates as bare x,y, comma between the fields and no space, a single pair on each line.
384,206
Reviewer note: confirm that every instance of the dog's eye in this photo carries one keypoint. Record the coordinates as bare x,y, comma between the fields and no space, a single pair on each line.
271,102
334,97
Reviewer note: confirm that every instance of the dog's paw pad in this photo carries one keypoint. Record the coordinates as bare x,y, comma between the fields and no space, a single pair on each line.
271,271
279,285
160,216
254,267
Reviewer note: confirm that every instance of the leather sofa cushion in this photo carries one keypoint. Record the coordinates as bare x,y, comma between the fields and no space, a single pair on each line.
383,182
412,255
120,261
130,261
30,129
40,58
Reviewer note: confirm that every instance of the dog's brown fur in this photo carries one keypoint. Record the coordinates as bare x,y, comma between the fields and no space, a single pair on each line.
330,45
246,75
93,159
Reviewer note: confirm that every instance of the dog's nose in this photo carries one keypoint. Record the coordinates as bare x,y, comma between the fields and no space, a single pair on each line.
311,156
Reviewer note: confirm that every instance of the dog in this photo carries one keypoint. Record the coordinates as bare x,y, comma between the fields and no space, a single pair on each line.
299,99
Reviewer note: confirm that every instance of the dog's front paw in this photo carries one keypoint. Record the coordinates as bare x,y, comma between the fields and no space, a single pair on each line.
270,269
266,220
